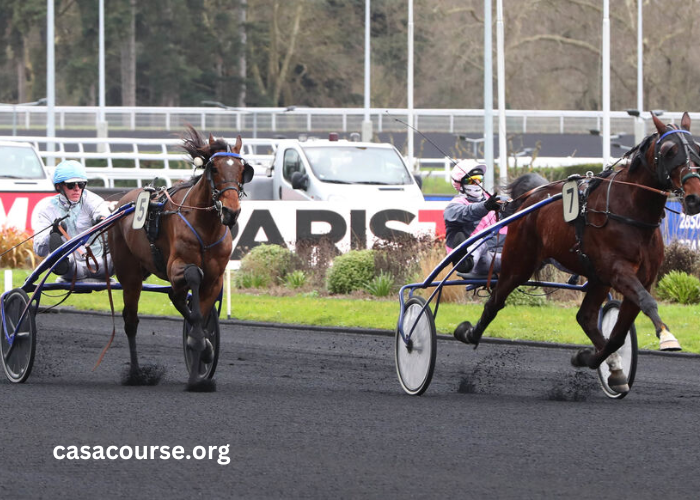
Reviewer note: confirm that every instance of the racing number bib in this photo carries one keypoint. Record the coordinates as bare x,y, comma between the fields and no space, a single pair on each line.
140,210
570,201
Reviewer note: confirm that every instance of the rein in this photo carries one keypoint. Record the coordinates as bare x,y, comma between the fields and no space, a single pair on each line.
189,207
640,186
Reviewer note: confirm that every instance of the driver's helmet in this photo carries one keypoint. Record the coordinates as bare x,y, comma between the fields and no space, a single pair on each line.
467,172
69,171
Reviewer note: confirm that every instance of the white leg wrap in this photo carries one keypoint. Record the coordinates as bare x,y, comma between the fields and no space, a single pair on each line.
614,361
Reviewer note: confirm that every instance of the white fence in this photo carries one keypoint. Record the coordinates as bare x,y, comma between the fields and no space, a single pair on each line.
253,121
151,158
163,159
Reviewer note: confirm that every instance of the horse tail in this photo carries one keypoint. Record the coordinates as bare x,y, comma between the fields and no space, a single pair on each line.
519,188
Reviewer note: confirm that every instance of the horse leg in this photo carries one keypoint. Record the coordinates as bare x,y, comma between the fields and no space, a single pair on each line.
131,323
130,278
197,340
617,380
191,277
509,279
587,317
629,285
179,300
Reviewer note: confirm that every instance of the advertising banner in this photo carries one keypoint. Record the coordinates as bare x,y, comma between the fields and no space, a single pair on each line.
678,226
347,225
16,209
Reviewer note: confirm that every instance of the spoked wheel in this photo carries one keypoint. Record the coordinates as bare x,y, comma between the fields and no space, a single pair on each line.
628,351
415,358
211,330
18,349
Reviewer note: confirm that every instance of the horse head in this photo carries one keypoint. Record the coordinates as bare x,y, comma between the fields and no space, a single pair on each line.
226,172
676,161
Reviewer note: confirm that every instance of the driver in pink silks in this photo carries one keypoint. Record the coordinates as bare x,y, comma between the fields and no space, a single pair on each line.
468,213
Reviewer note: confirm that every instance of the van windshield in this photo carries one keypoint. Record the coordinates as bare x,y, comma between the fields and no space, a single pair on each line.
357,165
20,163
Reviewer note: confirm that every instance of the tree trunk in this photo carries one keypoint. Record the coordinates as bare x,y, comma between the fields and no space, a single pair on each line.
21,76
242,61
282,75
273,58
128,60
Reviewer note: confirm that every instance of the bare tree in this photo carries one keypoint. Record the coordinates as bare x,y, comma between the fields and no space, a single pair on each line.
128,58
242,58
282,38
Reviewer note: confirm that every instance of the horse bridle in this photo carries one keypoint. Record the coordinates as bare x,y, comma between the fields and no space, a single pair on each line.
215,193
209,169
664,166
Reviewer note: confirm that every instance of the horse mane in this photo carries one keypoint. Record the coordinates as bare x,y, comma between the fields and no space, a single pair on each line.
520,186
197,146
638,153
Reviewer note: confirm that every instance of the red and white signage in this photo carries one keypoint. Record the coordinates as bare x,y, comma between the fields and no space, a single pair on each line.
16,209
347,225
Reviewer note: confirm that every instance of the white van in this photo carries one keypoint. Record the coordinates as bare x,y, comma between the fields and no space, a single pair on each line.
23,182
339,171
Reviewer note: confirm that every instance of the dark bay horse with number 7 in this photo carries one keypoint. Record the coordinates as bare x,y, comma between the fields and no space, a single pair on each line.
615,241
192,248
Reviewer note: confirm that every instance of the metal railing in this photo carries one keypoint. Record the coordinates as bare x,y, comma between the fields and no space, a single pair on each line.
277,121
147,159
136,159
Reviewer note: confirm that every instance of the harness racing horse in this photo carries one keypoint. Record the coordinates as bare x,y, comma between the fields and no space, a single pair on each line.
191,250
615,242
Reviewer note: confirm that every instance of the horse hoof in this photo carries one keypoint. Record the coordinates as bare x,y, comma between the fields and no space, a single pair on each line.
207,355
668,343
617,381
581,357
199,345
462,331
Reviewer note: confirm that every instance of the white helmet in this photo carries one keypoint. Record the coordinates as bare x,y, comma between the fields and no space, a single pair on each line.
467,168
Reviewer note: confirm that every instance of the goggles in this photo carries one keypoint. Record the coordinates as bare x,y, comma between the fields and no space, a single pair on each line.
71,185
474,179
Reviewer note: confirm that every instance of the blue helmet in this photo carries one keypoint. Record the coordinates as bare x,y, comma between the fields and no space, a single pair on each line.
69,171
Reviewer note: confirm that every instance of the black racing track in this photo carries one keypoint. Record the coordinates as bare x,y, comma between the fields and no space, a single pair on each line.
320,414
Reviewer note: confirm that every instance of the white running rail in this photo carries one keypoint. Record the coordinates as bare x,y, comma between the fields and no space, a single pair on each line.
252,121
162,159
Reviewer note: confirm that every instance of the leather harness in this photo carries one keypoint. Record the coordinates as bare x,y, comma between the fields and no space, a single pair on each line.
663,173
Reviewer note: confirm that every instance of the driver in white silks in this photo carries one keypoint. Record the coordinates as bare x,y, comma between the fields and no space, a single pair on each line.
468,213
73,210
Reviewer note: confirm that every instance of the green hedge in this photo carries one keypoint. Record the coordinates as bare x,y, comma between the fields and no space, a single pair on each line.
350,271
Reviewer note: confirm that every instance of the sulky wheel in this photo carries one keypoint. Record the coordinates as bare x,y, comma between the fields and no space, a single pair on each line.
415,357
628,351
17,349
211,329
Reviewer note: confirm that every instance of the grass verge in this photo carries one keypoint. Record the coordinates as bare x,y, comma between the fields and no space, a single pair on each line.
551,323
